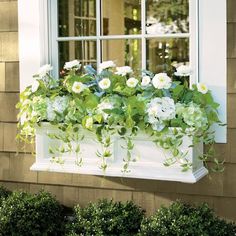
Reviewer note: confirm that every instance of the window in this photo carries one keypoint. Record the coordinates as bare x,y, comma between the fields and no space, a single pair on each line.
144,34
139,33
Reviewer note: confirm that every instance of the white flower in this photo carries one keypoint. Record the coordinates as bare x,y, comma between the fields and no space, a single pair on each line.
202,88
34,86
124,70
72,64
44,70
104,106
78,87
51,115
161,81
145,81
105,65
60,103
132,82
104,83
183,70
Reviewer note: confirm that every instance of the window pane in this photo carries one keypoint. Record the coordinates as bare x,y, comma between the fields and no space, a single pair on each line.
84,51
125,52
167,16
77,18
162,54
121,17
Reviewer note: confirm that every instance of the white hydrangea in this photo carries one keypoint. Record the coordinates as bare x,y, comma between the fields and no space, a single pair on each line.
159,110
183,70
105,105
60,103
132,82
72,64
104,83
44,70
78,87
145,81
124,70
51,115
106,65
161,81
202,88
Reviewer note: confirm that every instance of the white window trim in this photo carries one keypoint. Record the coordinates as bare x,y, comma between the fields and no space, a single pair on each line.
36,49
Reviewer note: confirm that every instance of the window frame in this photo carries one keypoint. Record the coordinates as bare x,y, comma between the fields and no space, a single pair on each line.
192,36
36,47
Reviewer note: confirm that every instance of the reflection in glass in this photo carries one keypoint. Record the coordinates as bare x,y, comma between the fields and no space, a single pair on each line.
162,54
124,52
84,51
77,18
167,16
121,17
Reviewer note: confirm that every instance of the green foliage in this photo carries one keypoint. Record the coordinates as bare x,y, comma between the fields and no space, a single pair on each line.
185,220
4,193
25,214
106,218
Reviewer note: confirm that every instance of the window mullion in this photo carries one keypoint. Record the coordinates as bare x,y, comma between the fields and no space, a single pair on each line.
98,30
143,27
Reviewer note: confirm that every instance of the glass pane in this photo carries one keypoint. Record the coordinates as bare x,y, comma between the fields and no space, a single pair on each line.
167,16
163,54
84,51
77,18
121,17
124,52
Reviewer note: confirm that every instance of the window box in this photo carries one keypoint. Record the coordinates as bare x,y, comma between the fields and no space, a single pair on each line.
148,166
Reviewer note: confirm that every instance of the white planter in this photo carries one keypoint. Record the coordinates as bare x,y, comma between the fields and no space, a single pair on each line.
149,166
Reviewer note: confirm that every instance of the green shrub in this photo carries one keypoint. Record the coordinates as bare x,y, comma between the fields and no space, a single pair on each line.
4,193
106,218
184,220
26,214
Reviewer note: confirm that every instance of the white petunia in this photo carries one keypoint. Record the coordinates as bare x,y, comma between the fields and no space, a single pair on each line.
124,70
78,87
34,86
105,65
104,83
72,64
202,88
132,82
161,81
145,81
183,70
44,70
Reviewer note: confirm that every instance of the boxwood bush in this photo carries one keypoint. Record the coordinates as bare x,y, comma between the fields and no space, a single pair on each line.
27,214
106,218
185,220
4,193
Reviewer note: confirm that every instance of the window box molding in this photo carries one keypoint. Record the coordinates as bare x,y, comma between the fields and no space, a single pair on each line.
148,166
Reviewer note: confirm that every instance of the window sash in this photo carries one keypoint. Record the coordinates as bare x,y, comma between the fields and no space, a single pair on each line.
192,36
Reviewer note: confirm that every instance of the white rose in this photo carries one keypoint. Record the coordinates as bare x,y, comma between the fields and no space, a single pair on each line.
106,64
72,64
34,86
132,82
202,88
145,81
183,70
44,70
104,83
78,87
124,70
161,81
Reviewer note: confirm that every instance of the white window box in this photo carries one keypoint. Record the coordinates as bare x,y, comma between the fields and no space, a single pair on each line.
149,166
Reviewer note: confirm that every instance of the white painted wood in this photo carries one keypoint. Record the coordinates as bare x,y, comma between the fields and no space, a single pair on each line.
33,52
149,164
212,55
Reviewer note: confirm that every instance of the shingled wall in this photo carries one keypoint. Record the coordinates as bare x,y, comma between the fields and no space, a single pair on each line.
219,190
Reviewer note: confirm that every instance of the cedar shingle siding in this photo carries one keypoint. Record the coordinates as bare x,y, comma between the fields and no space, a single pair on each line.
219,190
